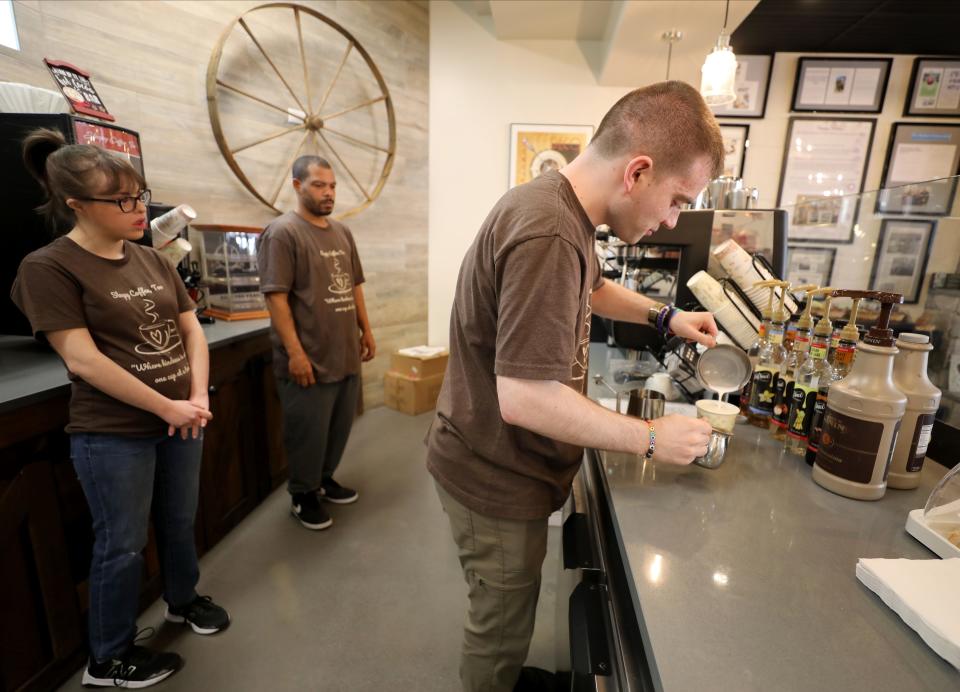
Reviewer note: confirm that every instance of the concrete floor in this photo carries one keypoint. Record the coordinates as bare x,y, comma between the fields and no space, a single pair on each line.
376,602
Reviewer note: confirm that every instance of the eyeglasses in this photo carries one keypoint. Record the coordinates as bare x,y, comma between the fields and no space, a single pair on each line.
127,204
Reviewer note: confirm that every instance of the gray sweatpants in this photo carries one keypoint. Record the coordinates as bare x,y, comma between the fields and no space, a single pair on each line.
316,426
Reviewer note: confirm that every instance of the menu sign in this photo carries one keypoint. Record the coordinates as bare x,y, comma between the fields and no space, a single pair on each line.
121,142
77,88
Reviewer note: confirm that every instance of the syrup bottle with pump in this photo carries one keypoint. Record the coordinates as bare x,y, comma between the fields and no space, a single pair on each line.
864,410
811,370
843,350
753,354
923,400
769,359
802,327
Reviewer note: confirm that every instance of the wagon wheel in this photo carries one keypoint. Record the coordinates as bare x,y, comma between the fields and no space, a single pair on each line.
283,81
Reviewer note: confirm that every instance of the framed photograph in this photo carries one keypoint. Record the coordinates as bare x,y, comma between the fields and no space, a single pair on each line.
752,86
824,164
901,260
810,265
536,149
845,85
934,88
736,139
919,172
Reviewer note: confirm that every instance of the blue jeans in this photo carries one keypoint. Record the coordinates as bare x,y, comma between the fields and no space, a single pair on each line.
121,477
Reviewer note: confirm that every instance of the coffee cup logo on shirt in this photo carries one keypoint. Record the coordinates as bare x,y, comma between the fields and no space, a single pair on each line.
342,283
160,336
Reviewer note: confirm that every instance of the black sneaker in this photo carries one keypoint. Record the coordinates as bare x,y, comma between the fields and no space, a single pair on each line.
307,508
331,491
202,614
138,667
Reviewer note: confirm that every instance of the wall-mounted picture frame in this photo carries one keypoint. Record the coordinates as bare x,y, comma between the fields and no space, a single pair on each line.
900,263
537,149
919,173
752,86
822,176
934,88
810,265
840,85
736,140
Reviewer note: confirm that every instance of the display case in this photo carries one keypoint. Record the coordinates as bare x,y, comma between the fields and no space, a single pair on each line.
229,275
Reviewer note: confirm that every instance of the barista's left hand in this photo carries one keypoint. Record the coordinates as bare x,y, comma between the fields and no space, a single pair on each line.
695,326
368,347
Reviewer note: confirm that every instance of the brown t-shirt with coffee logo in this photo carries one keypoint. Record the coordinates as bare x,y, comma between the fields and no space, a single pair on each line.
130,306
521,309
318,269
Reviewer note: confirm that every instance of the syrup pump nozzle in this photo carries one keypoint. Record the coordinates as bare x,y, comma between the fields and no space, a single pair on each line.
772,285
805,321
880,333
824,325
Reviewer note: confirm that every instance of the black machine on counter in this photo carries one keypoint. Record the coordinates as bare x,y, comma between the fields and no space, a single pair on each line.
679,253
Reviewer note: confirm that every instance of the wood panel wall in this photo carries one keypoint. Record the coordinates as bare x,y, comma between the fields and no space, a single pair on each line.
148,60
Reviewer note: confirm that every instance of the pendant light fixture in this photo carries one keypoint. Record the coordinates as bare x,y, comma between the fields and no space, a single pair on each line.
719,71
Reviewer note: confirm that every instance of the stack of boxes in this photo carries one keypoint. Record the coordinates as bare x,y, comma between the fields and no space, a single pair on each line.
413,383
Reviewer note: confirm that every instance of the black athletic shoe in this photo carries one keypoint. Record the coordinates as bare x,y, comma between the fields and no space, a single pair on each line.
136,668
307,508
331,491
539,680
202,614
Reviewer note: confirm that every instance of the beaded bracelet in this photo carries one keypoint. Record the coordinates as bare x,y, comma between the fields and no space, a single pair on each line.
666,320
663,319
653,440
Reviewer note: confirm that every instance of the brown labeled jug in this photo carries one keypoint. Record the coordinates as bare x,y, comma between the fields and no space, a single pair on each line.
923,400
864,410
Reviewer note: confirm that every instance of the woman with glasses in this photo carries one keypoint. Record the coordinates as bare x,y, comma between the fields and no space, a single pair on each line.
119,316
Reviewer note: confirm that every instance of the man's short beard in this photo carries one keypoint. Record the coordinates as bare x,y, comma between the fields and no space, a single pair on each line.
317,208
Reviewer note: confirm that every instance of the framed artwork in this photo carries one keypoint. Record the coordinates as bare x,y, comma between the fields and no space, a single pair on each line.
810,265
736,139
846,85
901,260
751,86
824,164
934,88
536,149
919,174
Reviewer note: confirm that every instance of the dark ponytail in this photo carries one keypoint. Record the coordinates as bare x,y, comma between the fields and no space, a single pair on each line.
67,171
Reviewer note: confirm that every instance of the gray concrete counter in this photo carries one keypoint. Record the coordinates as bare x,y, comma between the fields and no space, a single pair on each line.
744,576
31,372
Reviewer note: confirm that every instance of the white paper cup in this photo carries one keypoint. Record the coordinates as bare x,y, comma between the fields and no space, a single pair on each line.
167,227
720,414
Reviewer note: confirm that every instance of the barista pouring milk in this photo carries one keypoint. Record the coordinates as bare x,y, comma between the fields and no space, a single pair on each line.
512,419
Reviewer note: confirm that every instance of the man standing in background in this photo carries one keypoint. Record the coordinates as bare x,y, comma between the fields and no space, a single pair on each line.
311,275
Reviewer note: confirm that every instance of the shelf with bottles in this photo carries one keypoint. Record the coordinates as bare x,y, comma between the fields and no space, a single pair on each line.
228,270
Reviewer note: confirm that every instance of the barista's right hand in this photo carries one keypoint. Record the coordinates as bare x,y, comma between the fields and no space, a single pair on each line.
680,439
301,370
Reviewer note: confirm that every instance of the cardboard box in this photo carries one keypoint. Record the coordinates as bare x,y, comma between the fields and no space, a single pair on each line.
411,395
419,366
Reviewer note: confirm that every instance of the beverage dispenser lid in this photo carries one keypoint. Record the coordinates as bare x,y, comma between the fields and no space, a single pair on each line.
910,338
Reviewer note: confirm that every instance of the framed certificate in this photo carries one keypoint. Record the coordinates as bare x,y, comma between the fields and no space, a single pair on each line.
847,85
824,165
919,174
901,260
810,265
751,88
736,139
934,88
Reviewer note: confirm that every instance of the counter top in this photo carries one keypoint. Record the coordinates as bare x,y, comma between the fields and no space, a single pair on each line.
744,576
31,372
